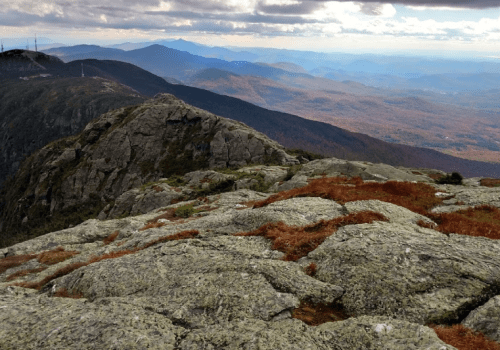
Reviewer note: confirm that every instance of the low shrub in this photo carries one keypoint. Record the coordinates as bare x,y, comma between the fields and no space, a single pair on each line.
453,179
152,225
111,238
417,197
15,260
490,182
464,338
112,255
63,293
24,273
316,314
55,256
311,269
296,241
185,211
483,221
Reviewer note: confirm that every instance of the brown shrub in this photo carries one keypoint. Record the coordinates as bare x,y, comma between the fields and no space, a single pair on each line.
15,260
24,273
55,256
435,176
59,273
113,255
490,182
110,238
63,293
316,314
483,221
311,269
152,225
296,242
417,197
189,234
464,338
158,188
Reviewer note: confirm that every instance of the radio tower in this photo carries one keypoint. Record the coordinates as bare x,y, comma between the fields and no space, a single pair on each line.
82,72
36,48
2,45
27,45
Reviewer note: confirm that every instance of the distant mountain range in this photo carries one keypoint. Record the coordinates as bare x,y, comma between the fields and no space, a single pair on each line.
289,130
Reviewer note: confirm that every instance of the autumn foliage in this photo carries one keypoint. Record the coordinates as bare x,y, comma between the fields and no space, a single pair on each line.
480,221
417,197
296,241
316,314
112,255
111,238
464,338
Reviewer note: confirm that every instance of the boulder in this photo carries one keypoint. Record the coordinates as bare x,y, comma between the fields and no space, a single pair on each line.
486,319
408,272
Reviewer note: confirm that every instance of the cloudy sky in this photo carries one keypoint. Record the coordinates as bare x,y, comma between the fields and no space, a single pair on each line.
321,25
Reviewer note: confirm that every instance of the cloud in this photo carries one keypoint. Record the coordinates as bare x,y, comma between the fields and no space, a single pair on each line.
472,4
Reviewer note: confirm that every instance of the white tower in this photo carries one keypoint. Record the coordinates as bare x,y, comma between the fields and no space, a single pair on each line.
27,45
82,71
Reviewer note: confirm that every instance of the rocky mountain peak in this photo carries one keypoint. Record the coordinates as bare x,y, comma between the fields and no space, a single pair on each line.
123,149
26,61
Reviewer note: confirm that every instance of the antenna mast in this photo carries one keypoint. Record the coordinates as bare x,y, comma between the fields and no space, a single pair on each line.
2,45
82,71
27,45
36,47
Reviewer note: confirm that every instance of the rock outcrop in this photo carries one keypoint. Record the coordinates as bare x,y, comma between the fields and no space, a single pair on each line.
143,276
75,178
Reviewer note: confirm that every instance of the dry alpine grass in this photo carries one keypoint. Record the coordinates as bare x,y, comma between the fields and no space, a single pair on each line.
55,256
296,242
24,273
316,314
417,197
480,221
63,293
112,255
15,260
111,238
464,338
490,182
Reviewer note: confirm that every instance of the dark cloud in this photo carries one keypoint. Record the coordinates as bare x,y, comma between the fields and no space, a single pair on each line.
372,9
301,8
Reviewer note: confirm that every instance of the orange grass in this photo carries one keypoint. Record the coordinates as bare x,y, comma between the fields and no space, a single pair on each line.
113,255
316,314
417,197
15,260
152,225
63,293
24,273
480,221
111,238
311,269
55,256
464,338
490,182
296,242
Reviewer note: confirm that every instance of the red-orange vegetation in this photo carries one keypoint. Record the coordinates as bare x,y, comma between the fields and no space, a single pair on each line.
189,234
15,260
24,273
158,188
464,338
296,241
110,238
311,269
435,176
483,221
59,273
417,197
55,256
490,182
152,225
112,255
169,214
63,293
316,314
